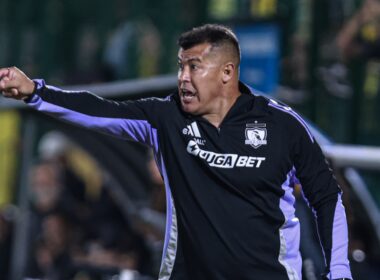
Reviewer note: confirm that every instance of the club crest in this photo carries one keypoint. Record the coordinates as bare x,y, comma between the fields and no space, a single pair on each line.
256,135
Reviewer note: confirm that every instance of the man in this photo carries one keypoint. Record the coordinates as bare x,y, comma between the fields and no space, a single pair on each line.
228,159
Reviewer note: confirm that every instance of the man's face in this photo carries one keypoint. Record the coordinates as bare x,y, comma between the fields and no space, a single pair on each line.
199,79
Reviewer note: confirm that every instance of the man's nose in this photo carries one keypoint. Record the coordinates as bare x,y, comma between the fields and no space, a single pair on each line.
184,75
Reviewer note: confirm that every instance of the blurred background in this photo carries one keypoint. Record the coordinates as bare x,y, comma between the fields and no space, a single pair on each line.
79,205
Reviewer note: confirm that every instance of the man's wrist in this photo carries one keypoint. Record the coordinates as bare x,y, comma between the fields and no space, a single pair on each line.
32,87
38,84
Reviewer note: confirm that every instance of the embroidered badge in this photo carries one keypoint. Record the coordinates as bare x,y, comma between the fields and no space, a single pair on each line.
256,134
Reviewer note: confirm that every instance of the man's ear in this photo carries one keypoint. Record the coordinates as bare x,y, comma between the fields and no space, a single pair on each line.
228,72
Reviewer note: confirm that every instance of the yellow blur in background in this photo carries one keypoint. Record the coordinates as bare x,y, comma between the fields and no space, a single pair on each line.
9,142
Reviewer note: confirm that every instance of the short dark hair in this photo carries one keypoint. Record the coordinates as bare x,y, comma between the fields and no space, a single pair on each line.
214,34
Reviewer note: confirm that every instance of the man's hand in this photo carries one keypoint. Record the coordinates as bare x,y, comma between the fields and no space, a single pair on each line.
15,84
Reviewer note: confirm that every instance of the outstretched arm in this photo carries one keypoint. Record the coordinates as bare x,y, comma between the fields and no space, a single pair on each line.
127,120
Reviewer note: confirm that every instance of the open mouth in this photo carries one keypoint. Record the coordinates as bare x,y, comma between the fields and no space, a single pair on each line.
187,96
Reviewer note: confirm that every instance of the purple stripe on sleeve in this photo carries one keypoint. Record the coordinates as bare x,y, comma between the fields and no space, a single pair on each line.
171,235
154,143
339,265
288,110
289,255
40,84
169,206
169,216
137,130
34,97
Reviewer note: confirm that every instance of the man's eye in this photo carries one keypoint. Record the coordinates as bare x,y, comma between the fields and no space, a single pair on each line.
193,66
180,66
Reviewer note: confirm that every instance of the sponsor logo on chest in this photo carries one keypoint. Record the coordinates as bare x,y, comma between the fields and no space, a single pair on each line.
223,160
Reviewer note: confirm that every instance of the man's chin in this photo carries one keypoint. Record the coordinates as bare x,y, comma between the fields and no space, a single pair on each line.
188,108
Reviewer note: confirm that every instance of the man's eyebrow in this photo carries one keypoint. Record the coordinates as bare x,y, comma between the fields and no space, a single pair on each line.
191,59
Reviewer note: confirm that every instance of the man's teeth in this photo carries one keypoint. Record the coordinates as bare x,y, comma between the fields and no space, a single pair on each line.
186,93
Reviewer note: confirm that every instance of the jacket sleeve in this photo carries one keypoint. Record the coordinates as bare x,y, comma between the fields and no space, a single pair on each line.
324,197
130,120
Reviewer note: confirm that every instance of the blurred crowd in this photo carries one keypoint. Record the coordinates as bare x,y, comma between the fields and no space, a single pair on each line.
76,228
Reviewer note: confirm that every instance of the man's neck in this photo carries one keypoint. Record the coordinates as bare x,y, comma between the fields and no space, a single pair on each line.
222,107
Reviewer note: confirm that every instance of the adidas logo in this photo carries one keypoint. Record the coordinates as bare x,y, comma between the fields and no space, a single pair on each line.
192,130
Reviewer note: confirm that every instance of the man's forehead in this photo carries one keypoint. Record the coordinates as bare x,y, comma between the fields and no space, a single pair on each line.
197,52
